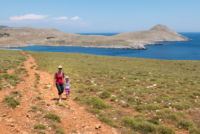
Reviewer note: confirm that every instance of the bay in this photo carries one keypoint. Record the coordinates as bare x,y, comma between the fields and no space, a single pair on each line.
188,50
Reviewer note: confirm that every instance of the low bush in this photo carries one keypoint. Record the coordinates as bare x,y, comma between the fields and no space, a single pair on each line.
105,94
53,116
113,98
39,126
148,107
41,132
145,127
131,99
35,109
194,130
108,121
60,131
11,102
128,122
53,125
153,121
21,71
6,76
185,124
97,103
80,91
168,116
14,77
50,37
165,130
77,98
38,97
17,93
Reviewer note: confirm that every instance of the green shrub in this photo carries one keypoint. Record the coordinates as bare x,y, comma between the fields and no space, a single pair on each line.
5,71
128,122
11,102
148,107
185,124
94,111
110,90
53,125
145,127
53,116
80,91
105,94
165,130
129,132
6,76
97,103
35,109
60,131
113,98
194,130
42,132
38,97
14,77
50,37
125,105
21,71
153,121
39,126
169,116
131,99
108,121
77,98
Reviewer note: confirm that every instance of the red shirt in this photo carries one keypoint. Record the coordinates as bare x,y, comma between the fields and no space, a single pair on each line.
59,78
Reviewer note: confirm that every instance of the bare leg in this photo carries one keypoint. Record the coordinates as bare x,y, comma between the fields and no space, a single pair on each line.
60,96
66,96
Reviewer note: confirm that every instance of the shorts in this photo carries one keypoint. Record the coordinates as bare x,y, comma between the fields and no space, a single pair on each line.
67,91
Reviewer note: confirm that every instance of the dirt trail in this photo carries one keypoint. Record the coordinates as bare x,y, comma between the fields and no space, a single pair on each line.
21,121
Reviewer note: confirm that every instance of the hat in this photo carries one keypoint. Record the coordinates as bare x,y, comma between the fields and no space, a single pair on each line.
66,77
59,66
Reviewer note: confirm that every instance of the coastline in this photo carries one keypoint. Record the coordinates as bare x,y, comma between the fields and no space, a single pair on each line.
138,46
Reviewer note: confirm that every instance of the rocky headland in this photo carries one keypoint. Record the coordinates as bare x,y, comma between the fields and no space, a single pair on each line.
25,36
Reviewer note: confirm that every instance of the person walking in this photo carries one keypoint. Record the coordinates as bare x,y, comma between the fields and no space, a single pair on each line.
67,87
58,81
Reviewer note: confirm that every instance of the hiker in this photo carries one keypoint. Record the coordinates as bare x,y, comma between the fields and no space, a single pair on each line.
67,87
58,81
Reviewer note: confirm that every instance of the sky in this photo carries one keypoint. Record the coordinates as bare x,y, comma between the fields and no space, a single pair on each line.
101,16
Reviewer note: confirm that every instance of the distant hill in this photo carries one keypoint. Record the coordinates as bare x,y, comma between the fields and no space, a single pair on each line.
1,27
24,36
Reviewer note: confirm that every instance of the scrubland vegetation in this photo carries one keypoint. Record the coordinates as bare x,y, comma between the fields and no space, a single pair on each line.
11,60
4,34
162,95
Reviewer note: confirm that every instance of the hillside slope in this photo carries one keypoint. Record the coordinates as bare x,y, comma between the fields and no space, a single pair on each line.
24,36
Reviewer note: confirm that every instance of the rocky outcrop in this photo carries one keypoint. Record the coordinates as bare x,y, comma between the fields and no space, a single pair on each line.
24,36
1,27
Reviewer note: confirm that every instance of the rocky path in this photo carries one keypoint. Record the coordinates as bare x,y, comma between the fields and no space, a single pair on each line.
21,121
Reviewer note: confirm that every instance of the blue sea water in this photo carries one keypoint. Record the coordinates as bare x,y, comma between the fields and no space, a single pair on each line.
188,50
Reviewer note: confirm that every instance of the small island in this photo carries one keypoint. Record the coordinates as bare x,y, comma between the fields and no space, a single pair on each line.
25,36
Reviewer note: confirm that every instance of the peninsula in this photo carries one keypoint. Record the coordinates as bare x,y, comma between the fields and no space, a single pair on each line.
25,36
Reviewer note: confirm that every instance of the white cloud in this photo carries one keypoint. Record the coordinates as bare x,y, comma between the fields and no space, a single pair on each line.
61,18
28,17
75,18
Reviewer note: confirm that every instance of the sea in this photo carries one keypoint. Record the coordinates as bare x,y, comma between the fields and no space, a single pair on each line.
185,50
